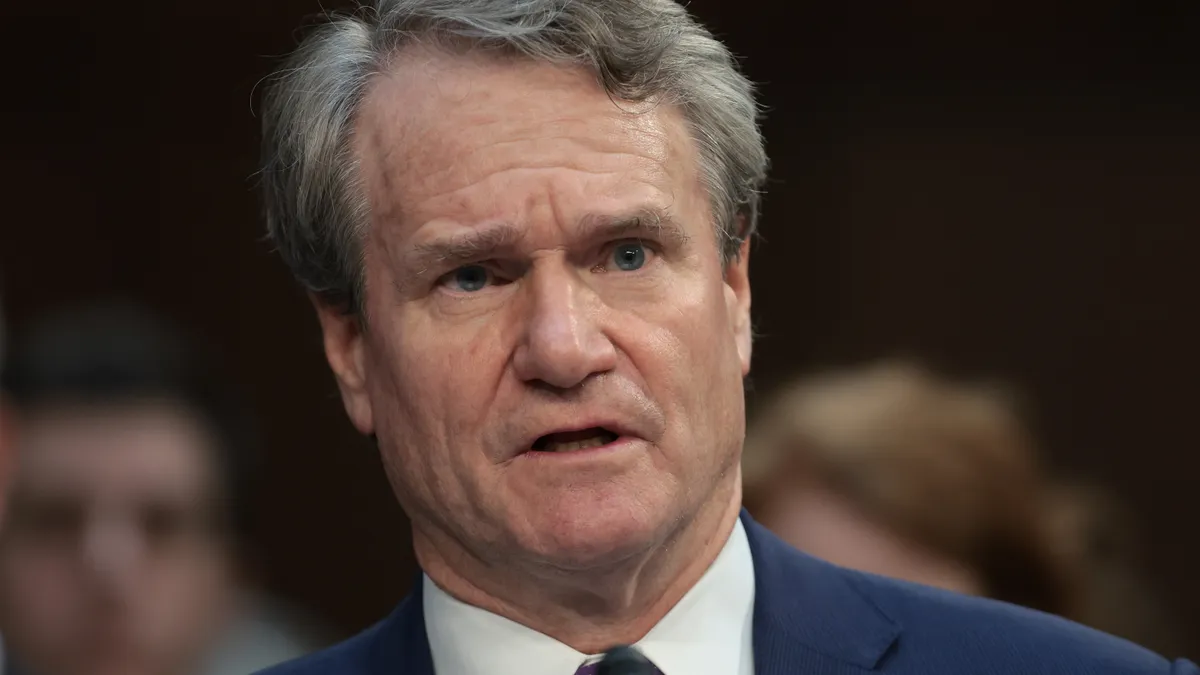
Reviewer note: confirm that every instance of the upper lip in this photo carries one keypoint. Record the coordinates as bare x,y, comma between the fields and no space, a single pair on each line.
617,427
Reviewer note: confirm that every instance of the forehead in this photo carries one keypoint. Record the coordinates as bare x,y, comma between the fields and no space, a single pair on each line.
443,133
140,447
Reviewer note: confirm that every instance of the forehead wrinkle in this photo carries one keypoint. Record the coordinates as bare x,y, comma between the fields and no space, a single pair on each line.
460,169
508,141
480,205
445,147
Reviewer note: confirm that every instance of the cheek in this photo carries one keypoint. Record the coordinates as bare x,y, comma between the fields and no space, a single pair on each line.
430,395
685,352
39,592
202,580
424,365
693,339
186,602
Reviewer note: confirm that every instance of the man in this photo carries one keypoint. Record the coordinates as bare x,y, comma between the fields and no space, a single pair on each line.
524,227
118,556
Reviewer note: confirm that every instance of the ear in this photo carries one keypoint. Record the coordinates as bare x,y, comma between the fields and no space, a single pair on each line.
345,349
737,302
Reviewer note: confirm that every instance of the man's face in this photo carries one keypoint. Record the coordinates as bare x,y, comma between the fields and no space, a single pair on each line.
109,561
553,355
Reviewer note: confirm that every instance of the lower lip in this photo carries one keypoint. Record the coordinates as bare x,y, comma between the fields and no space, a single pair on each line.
583,454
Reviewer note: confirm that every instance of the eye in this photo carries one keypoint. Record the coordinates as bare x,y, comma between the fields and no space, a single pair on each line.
629,256
468,278
50,521
162,522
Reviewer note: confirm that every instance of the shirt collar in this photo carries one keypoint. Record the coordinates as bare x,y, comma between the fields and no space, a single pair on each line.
708,632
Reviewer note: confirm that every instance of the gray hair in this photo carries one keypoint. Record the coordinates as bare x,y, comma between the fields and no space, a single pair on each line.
639,50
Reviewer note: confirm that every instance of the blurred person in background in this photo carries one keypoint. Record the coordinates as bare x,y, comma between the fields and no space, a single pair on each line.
6,435
6,441
128,509
1098,533
892,470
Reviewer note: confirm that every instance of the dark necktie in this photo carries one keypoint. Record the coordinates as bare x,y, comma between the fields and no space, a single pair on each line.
591,669
622,660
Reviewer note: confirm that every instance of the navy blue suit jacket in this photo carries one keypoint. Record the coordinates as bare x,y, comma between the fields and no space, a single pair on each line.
812,618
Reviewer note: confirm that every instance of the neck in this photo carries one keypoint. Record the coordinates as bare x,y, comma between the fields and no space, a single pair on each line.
588,611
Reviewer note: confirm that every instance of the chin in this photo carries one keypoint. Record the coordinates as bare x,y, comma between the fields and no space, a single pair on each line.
588,534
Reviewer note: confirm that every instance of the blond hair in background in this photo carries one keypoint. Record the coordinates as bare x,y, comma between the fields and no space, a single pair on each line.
951,471
946,467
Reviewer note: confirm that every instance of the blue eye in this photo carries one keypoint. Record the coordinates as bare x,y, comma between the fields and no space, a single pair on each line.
469,278
629,256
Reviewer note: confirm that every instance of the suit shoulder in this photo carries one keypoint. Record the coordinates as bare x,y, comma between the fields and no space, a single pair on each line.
1011,639
351,657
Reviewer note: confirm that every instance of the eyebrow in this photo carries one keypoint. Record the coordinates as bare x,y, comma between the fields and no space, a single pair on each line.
649,221
472,245
499,239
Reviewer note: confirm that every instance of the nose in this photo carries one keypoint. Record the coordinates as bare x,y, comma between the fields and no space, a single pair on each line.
562,345
112,553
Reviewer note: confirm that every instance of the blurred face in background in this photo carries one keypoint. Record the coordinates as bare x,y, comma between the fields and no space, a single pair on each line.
112,560
7,434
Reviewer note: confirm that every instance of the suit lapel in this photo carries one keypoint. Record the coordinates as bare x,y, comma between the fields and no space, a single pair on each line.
808,615
401,647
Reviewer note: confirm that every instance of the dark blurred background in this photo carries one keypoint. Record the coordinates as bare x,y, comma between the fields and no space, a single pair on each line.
996,188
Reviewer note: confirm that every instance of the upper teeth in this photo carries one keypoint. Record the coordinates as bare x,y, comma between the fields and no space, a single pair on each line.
593,442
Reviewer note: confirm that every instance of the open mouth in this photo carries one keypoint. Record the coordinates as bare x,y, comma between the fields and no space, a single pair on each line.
574,440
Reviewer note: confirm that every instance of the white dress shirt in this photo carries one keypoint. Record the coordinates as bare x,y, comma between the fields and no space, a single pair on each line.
707,633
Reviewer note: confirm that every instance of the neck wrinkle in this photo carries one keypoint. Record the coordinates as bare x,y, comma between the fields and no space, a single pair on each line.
620,605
